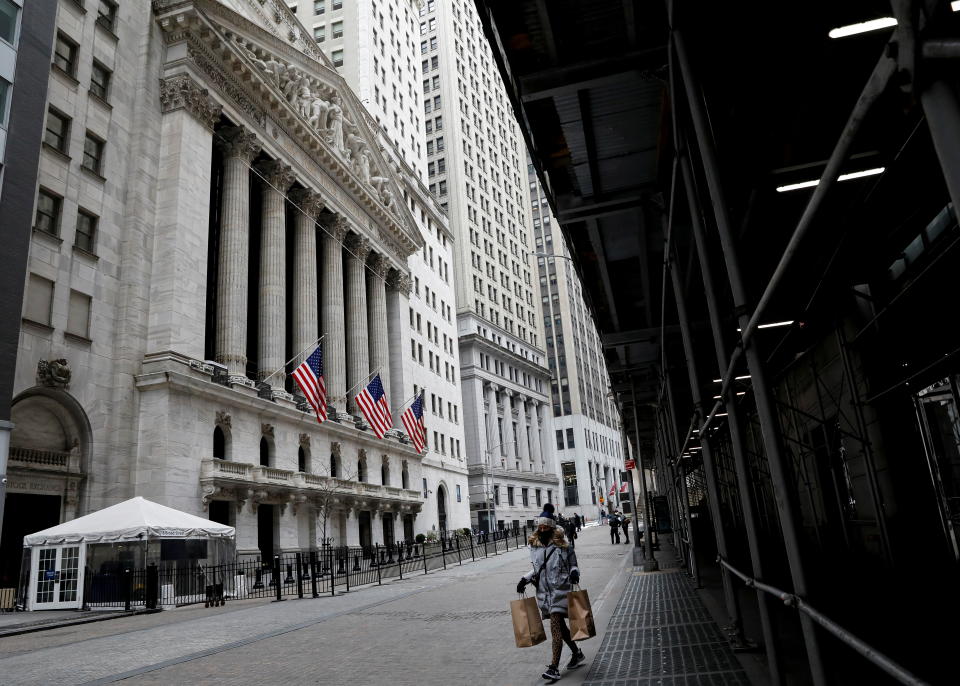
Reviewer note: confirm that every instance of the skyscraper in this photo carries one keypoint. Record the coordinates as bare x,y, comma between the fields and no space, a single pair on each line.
586,421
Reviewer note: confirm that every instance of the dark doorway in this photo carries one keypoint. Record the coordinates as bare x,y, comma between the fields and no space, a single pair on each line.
388,528
442,508
220,512
219,444
266,540
25,513
264,453
366,535
301,460
408,527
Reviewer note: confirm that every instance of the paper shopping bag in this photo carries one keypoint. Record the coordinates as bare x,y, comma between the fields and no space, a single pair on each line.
527,625
581,616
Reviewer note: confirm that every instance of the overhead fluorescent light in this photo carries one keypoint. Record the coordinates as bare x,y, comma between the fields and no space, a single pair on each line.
865,26
842,177
738,378
772,325
955,6
720,414
717,397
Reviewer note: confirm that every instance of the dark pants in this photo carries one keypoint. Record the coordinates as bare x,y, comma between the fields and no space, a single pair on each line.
626,536
614,534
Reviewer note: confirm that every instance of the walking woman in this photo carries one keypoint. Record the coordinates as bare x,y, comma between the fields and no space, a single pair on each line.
554,570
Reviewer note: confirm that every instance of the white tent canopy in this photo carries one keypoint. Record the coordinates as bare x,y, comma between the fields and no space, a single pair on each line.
131,520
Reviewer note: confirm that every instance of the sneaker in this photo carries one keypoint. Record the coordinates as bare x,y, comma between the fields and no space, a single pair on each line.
551,673
577,659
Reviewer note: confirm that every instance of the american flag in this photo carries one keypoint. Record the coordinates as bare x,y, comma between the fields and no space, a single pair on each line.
413,421
624,487
309,377
372,401
613,489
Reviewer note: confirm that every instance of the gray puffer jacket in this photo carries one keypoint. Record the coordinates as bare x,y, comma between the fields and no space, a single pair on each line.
555,577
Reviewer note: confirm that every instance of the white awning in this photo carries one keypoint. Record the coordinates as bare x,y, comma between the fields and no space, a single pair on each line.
130,520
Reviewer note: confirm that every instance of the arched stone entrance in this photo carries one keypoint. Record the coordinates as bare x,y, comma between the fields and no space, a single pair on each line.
49,447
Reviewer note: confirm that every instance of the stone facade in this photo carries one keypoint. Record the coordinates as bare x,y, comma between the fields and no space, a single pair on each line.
244,209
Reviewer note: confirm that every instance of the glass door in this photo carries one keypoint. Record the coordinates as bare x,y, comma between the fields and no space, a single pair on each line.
56,577
937,407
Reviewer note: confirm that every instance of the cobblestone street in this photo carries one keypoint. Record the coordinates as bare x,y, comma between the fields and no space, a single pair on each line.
446,627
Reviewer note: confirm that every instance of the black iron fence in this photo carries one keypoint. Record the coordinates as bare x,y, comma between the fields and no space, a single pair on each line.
326,571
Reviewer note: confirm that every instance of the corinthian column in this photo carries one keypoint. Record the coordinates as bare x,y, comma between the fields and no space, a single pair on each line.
272,347
508,429
398,290
239,147
523,446
379,347
305,272
358,358
331,317
535,454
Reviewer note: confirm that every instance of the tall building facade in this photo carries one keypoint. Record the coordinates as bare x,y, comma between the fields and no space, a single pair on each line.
26,40
191,234
476,170
372,44
586,422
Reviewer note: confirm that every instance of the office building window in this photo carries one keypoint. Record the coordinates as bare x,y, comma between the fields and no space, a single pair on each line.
92,153
65,55
57,133
337,4
39,300
510,496
86,231
320,33
100,80
107,15
458,494
48,213
336,29
559,439
337,56
4,95
570,438
496,494
424,487
78,315
8,23
525,497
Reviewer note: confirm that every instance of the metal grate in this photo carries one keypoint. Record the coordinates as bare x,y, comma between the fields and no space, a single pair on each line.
661,633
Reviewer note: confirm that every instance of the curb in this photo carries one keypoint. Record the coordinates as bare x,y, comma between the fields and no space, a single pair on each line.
72,622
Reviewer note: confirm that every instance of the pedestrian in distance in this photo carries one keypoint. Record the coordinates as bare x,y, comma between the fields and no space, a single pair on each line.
625,525
553,572
570,530
614,523
578,521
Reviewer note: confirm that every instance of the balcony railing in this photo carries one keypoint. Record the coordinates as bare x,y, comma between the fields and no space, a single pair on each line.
57,460
215,469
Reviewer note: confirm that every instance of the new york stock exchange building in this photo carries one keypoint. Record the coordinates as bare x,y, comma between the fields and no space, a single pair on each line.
243,209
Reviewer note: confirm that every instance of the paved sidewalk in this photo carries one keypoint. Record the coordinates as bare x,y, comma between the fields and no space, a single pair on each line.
441,628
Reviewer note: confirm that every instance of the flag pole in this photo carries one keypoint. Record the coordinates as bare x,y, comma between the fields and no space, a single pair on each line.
277,371
358,385
413,397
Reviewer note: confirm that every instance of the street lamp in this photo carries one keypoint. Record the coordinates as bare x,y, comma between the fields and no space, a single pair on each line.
550,254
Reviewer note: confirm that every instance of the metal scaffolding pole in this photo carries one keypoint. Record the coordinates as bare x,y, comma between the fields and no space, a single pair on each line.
706,451
741,467
650,564
684,495
673,499
755,363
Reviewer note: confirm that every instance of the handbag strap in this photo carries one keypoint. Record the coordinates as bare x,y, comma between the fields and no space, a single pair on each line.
543,566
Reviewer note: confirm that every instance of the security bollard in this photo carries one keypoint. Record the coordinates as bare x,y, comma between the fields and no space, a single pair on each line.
127,588
299,576
375,551
459,559
276,578
313,574
443,553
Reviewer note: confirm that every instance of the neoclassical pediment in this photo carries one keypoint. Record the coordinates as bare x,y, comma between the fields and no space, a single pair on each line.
250,55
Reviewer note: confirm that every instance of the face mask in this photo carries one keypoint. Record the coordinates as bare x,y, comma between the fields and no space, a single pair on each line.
545,536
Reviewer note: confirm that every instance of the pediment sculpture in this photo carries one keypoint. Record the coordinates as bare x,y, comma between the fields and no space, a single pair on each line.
322,107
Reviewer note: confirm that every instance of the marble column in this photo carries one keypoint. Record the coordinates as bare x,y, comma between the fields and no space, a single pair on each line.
508,436
398,303
239,147
523,446
491,393
305,308
272,339
379,343
358,358
331,317
536,455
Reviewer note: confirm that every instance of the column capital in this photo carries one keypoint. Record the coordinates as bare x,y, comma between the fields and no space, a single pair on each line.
337,227
379,264
359,245
491,386
238,141
181,92
399,281
307,200
277,174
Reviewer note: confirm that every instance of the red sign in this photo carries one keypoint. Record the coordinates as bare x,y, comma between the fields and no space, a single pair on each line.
631,464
